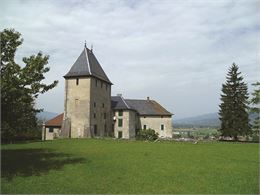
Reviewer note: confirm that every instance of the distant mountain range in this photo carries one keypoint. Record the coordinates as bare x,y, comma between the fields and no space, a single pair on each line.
45,116
205,120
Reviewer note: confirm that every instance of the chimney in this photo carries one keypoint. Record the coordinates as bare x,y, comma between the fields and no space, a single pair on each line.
148,98
119,94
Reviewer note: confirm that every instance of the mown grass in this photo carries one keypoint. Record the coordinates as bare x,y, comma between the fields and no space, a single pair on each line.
111,166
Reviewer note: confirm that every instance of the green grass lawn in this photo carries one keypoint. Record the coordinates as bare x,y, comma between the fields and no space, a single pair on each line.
111,166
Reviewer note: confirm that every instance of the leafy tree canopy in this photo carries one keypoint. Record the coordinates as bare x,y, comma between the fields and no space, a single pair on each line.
20,86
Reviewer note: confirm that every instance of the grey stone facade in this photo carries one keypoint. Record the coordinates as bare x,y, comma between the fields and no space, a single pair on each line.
90,111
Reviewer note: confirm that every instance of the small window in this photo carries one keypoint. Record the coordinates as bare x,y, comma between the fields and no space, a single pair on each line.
95,130
101,84
105,115
103,105
106,87
120,113
94,104
96,82
162,127
120,122
144,127
105,129
161,116
77,81
50,129
94,115
144,116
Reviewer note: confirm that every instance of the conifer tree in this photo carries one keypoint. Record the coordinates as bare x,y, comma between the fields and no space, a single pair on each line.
255,108
234,104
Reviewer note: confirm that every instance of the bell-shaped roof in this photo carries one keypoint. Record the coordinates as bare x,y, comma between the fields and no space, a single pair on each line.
87,65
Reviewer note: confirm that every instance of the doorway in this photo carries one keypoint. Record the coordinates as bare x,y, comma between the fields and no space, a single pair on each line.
120,134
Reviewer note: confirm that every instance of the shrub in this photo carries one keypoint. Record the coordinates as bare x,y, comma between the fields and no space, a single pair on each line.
206,136
255,138
176,136
147,134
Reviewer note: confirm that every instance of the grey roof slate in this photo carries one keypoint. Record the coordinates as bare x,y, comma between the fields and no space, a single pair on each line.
143,107
147,107
87,65
118,103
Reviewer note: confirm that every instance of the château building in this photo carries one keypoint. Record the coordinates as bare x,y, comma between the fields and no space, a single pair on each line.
91,111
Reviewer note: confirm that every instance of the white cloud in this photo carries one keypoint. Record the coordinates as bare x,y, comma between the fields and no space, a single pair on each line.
177,52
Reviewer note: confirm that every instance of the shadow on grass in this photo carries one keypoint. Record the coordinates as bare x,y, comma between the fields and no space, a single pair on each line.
28,162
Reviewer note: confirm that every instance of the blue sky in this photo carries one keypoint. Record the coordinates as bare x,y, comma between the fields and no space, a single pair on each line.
176,52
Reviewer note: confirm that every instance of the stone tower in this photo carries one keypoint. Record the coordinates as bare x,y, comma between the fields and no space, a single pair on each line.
87,106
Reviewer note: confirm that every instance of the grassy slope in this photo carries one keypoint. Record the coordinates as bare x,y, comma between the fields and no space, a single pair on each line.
107,166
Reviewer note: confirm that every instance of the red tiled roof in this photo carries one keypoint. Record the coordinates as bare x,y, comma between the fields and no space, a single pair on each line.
56,121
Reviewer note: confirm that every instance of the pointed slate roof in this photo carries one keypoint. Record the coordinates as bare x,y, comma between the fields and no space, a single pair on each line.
87,65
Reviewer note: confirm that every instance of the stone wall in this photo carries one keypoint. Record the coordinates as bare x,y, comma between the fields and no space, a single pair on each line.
52,135
155,122
77,105
128,127
88,107
100,108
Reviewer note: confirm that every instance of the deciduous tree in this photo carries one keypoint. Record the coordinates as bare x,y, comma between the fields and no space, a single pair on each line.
20,86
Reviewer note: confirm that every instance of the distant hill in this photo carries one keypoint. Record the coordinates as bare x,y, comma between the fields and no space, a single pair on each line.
45,116
205,120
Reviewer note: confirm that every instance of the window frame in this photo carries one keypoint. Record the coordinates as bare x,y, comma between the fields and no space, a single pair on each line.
120,122
95,130
120,133
162,127
120,112
51,130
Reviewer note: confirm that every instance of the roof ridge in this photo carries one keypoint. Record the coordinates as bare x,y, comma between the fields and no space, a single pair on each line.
86,52
87,65
125,102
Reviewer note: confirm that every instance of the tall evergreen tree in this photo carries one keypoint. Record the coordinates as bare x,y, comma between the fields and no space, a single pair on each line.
255,108
234,104
20,87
